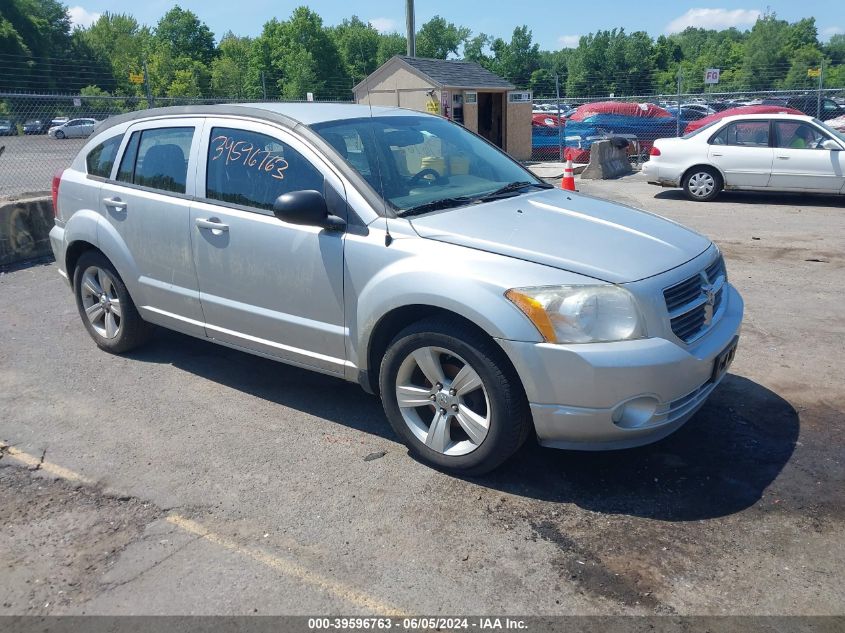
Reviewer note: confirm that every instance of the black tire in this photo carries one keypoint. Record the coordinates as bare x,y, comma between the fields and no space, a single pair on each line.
695,181
509,418
60,134
132,330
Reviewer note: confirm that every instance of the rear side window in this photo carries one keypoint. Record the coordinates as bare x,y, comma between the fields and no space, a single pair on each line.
744,134
253,169
100,160
158,158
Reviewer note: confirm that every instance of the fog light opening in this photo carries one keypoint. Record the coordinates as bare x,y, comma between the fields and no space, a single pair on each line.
635,413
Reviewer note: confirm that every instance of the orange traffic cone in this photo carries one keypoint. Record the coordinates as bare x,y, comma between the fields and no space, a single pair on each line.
567,183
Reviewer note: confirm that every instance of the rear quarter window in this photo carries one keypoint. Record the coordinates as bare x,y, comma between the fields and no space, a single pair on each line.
100,160
158,158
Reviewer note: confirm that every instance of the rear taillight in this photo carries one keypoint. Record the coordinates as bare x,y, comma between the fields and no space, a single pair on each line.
654,151
57,179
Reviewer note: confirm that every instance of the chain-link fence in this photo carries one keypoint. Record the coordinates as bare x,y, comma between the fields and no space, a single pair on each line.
41,134
568,127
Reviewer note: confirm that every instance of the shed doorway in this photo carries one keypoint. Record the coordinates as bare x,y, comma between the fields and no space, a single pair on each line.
490,107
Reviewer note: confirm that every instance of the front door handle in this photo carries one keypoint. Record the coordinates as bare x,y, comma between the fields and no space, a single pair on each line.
211,223
783,157
715,154
115,203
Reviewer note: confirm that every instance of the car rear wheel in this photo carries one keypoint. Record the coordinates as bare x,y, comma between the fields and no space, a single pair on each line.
702,184
453,397
104,304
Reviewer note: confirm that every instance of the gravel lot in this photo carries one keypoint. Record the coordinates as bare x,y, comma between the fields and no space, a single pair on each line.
28,163
211,481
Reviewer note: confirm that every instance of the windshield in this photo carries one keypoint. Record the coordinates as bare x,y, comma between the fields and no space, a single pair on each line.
835,133
416,162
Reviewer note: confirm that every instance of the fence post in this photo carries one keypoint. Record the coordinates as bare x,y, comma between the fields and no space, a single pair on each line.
150,103
821,87
678,115
263,85
559,125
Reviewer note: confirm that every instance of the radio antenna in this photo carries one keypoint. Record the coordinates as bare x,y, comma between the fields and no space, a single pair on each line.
388,239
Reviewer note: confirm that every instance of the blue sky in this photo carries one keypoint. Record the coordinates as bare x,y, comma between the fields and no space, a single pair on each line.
554,24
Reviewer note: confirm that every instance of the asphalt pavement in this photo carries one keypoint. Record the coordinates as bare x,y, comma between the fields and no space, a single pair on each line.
190,478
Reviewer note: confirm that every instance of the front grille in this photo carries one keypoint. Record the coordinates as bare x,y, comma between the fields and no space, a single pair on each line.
693,304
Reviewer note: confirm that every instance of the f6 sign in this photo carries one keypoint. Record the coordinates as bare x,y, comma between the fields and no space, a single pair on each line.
711,76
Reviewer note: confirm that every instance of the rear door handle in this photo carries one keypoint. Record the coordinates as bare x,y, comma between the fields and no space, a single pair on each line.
212,223
115,203
715,154
783,157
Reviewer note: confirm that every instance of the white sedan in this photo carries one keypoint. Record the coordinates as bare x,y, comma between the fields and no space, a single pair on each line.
75,128
770,152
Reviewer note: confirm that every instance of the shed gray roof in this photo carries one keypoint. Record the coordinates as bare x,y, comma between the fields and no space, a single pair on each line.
456,73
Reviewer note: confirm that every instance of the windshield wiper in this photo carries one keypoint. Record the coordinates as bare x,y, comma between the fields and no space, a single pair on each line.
448,203
435,205
512,187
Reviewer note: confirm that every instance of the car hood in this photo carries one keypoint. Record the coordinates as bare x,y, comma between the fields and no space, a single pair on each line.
574,232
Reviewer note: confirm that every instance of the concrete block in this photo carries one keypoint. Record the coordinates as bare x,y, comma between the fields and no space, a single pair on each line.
606,161
24,229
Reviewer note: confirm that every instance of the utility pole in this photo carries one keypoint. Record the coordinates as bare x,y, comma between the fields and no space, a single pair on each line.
410,29
150,103
263,85
559,124
821,87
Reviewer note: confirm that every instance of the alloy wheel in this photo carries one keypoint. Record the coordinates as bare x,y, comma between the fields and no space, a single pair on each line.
101,302
443,401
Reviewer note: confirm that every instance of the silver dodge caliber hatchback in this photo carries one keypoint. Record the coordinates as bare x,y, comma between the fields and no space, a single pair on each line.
401,251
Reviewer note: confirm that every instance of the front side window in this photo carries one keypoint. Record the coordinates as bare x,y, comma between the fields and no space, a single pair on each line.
797,135
253,169
158,158
100,160
418,161
743,134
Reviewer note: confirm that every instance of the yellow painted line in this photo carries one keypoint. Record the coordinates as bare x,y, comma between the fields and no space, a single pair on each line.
289,568
282,565
47,467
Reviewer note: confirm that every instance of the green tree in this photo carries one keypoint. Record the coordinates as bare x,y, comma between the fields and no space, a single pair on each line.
358,43
390,44
122,42
300,56
230,68
518,59
184,35
438,38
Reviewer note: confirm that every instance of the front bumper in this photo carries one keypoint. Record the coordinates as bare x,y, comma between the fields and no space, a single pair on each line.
619,395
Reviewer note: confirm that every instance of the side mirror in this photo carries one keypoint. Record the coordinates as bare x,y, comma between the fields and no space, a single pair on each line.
307,207
831,145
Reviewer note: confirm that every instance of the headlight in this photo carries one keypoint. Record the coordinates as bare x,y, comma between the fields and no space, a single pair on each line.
580,314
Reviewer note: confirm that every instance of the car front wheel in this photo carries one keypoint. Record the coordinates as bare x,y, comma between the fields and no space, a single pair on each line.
702,184
452,396
60,134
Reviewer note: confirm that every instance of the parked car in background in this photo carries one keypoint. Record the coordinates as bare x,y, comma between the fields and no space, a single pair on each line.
8,128
824,109
837,124
36,126
75,128
398,250
767,152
